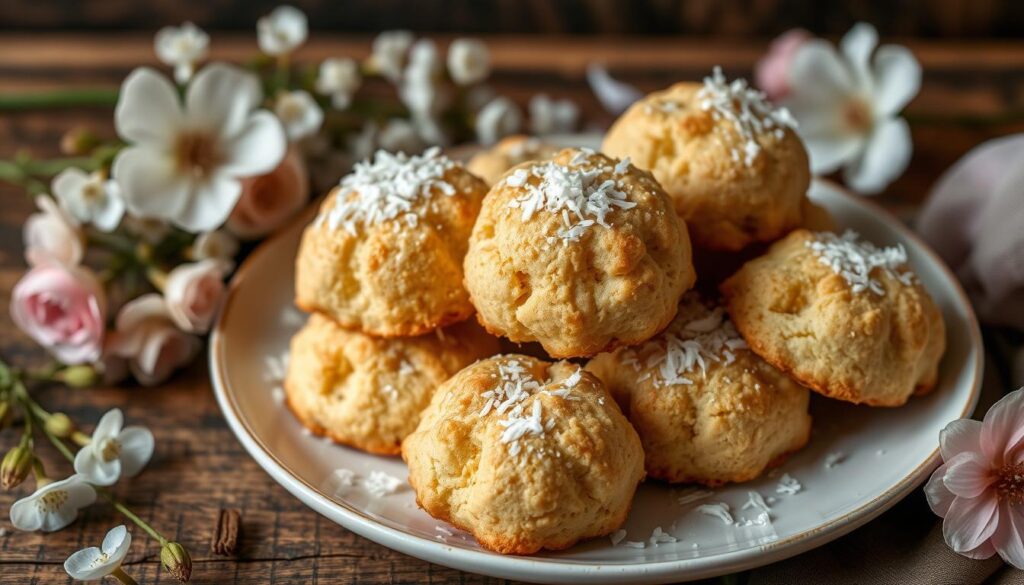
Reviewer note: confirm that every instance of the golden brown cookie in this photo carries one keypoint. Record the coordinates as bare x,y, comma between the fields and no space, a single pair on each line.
707,409
384,256
491,164
841,316
581,253
368,392
734,167
525,455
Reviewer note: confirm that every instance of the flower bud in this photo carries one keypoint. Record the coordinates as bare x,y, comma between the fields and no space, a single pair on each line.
16,466
176,560
5,413
78,141
60,425
83,376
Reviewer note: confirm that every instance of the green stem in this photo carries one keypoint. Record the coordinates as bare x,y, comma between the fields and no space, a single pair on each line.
131,515
94,97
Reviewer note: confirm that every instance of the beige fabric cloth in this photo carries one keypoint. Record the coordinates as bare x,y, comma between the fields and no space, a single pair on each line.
903,546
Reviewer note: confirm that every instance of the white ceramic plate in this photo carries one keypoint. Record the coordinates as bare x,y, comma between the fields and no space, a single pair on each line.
885,453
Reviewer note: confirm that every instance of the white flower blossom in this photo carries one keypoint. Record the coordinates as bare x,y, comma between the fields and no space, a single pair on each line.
497,119
52,235
53,506
185,160
847,106
468,61
114,450
95,563
389,52
299,113
339,78
217,245
89,198
282,31
550,116
421,90
613,94
399,135
181,47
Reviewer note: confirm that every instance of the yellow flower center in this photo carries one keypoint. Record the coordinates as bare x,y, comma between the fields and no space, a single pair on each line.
857,116
52,501
1010,483
196,153
110,450
92,191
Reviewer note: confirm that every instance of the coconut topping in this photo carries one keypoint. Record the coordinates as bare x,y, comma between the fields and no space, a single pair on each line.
710,338
387,187
855,259
748,109
719,510
788,485
576,192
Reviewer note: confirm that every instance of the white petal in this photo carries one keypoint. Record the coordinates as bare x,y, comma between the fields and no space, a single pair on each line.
148,109
257,148
968,475
210,204
897,79
88,565
829,152
970,522
613,94
67,188
817,73
107,217
116,543
110,425
1009,534
80,493
1002,431
25,515
220,98
90,466
960,436
857,46
939,498
137,446
150,183
885,157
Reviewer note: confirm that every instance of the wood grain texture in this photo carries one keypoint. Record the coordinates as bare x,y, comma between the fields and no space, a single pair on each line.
199,467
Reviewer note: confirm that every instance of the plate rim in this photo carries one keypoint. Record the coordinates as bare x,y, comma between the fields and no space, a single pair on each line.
543,569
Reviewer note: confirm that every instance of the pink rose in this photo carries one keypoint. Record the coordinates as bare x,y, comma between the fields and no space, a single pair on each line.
193,293
52,236
146,336
61,308
267,201
772,71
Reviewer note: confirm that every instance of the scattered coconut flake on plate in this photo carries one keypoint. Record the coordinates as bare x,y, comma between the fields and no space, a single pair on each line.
719,510
381,484
692,495
276,367
659,536
443,533
762,519
855,259
756,501
880,452
618,536
833,459
788,485
277,393
634,544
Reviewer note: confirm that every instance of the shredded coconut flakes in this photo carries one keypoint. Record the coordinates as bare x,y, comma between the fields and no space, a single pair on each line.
574,192
833,459
618,536
748,109
719,510
659,536
388,187
855,260
380,484
756,502
788,485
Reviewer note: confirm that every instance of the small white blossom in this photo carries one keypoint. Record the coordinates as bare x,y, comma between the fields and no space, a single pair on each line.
399,135
89,198
497,119
95,563
215,245
848,103
299,113
282,31
468,61
181,47
114,451
53,506
549,116
339,78
613,94
389,52
420,89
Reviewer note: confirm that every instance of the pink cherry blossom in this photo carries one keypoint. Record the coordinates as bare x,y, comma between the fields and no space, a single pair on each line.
62,308
146,336
772,71
979,489
52,235
193,293
267,201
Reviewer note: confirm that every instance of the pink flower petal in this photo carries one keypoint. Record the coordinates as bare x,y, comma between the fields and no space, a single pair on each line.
970,522
968,475
959,436
983,551
1003,427
939,498
1007,539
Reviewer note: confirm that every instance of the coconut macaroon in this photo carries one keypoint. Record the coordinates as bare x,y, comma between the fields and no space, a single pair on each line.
732,163
841,316
384,255
368,392
525,455
707,409
581,253
491,164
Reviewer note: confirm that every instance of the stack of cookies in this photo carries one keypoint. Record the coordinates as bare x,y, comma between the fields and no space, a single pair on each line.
692,292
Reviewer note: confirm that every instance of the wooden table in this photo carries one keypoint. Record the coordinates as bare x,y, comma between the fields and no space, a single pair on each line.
199,467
